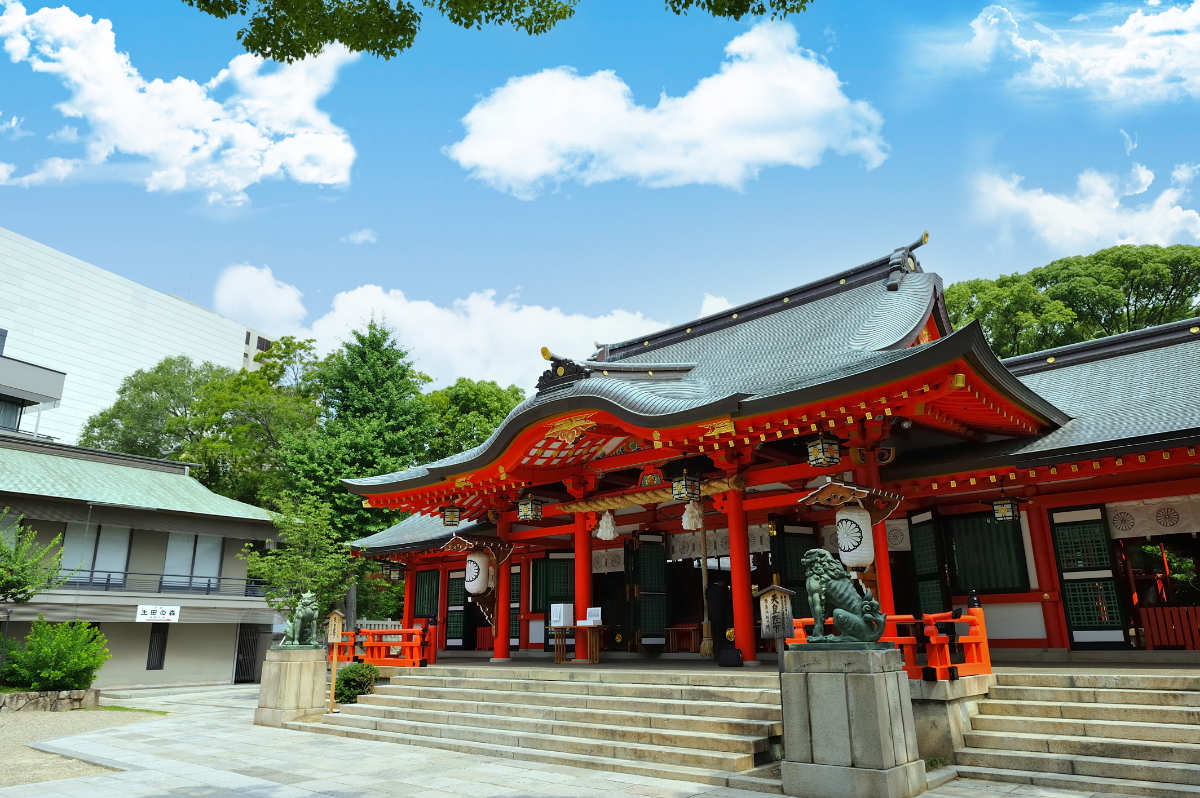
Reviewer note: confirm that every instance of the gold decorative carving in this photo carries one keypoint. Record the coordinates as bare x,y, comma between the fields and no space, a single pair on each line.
462,482
570,429
716,429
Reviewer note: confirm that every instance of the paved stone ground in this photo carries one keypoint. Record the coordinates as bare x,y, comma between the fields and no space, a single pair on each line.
209,747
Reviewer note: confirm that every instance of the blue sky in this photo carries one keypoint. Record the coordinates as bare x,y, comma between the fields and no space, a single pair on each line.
507,191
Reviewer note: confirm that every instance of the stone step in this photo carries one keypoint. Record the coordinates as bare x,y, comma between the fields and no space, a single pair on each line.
1120,681
376,717
1173,773
668,692
1083,784
1076,727
1090,711
682,706
394,706
555,741
1171,698
725,677
652,769
1147,750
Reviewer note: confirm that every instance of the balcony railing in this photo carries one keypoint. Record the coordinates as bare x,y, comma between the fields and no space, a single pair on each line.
134,582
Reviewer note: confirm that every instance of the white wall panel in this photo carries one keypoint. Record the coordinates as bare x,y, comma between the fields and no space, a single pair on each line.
98,327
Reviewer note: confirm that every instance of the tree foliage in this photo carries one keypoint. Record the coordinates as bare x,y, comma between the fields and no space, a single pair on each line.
287,30
26,566
467,412
152,415
309,556
1079,298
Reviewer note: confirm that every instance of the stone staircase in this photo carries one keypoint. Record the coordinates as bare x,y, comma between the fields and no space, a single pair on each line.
693,725
1132,734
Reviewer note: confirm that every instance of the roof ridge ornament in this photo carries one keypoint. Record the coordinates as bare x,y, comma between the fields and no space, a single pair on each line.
902,261
563,371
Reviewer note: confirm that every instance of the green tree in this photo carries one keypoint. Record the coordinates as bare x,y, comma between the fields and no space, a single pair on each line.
26,566
152,415
286,30
373,420
309,556
466,413
1079,298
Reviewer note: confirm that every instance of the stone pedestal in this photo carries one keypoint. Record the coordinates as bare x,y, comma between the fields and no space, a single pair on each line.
943,713
293,686
848,729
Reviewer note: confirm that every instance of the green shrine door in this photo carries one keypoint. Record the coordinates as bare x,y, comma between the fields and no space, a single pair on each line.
553,582
514,607
930,570
1091,601
788,544
456,608
646,576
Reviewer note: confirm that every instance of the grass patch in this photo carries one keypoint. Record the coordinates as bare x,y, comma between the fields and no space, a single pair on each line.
126,709
4,689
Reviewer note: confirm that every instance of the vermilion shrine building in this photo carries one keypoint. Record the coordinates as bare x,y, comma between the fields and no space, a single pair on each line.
1062,486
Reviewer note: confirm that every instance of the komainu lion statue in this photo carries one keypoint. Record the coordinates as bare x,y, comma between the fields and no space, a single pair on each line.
830,592
301,627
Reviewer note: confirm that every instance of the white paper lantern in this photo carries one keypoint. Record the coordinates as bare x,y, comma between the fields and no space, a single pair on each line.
478,568
856,547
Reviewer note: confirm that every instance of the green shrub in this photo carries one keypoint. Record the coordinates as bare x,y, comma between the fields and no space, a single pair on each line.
56,656
353,681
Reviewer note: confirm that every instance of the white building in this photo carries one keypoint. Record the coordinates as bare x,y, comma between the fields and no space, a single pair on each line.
98,328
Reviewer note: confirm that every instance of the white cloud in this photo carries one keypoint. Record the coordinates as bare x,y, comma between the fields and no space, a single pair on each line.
254,296
363,236
1151,56
714,304
772,103
1131,142
481,335
1094,215
267,126
11,127
68,134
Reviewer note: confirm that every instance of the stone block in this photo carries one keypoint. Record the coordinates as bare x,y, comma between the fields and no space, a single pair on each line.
797,740
829,719
293,686
912,741
830,781
871,728
842,661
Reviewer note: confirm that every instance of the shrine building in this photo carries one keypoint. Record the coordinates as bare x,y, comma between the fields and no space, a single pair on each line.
1061,487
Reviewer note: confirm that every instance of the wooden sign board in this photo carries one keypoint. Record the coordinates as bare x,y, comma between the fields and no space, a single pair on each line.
333,636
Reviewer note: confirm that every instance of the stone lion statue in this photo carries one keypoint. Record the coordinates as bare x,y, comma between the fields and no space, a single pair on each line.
302,625
857,617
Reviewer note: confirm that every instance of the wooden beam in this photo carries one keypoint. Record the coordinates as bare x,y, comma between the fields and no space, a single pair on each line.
540,532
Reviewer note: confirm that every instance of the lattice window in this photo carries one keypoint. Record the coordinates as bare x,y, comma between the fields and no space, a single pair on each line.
924,549
1091,604
514,587
989,555
652,614
652,567
425,604
1082,546
456,592
931,597
454,625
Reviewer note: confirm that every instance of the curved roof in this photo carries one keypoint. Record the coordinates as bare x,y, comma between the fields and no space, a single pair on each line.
817,340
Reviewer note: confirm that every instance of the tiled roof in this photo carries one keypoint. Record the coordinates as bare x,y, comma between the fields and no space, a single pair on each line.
63,472
417,532
1124,393
825,331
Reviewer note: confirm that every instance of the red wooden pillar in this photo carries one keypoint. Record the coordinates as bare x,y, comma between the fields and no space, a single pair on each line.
883,569
500,642
739,576
583,581
410,596
1046,565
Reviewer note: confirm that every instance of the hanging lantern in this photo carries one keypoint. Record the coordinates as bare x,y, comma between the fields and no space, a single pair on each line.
392,571
478,566
693,515
607,528
855,543
685,488
451,515
529,508
1005,509
824,451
